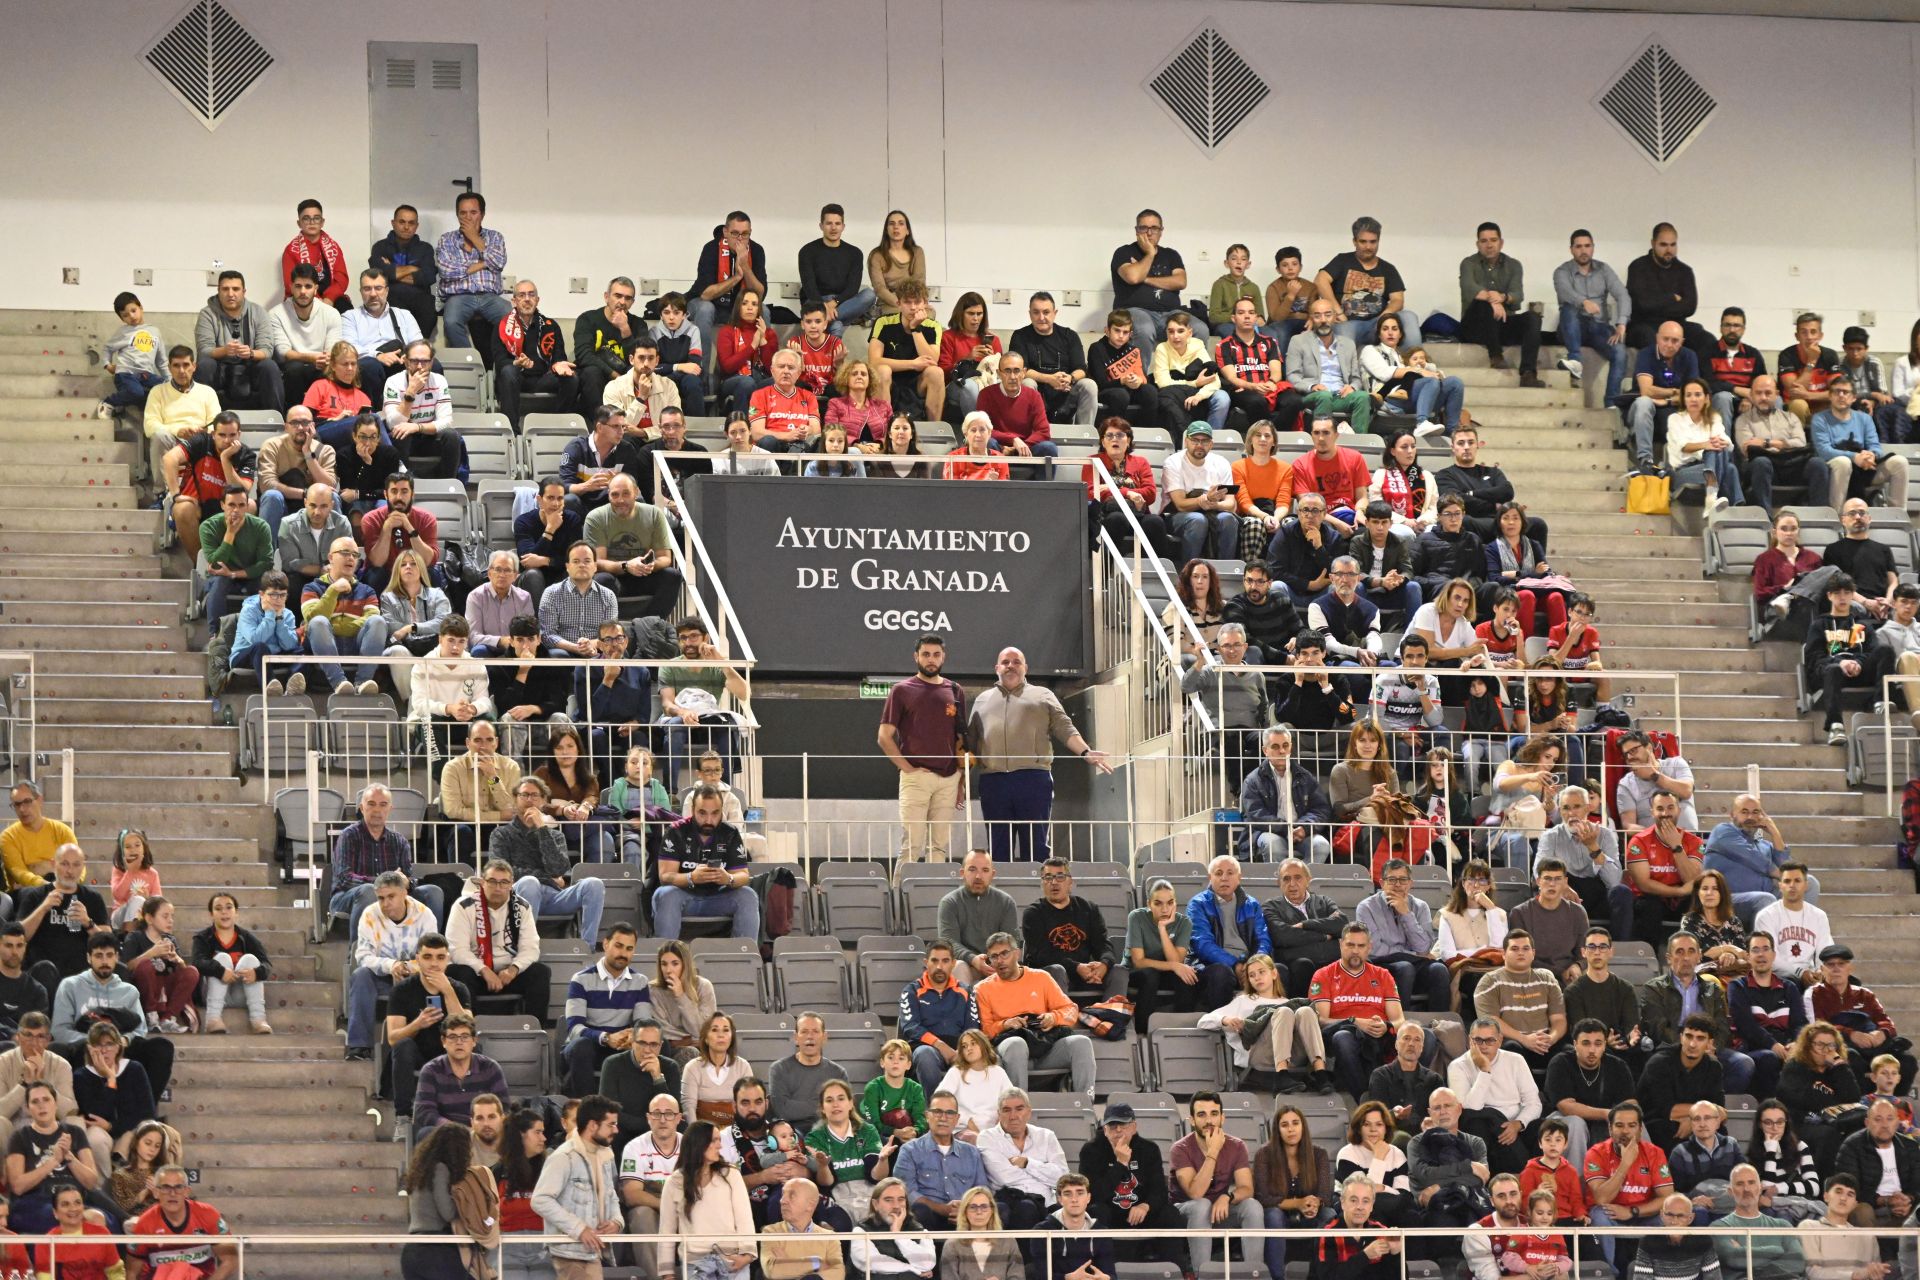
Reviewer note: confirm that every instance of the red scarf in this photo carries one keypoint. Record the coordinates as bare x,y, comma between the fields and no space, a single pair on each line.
483,918
332,263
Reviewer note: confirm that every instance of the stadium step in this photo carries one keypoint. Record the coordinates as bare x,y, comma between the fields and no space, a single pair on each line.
67,613
69,363
202,793
82,474
20,540
297,1214
171,819
81,568
148,764
178,711
88,387
24,458
94,499
20,339
220,1185
91,741
49,407
128,687
62,430
32,518
117,589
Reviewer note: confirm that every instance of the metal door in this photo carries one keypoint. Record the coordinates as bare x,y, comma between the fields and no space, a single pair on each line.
424,119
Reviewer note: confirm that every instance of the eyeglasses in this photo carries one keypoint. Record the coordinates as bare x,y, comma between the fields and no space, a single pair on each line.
942,1111
1398,880
495,883
1055,877
1147,226
456,1037
1483,1041
665,1115
175,1187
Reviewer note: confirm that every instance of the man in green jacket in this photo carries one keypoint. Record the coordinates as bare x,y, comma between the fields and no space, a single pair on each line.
238,548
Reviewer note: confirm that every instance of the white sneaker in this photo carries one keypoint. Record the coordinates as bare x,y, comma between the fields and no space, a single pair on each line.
1836,736
369,686
104,410
1781,604
274,688
1572,368
1716,504
345,686
297,682
1426,429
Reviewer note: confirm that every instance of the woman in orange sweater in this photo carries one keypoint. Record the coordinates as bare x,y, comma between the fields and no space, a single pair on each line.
1266,490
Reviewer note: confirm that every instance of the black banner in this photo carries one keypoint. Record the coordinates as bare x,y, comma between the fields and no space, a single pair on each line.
841,576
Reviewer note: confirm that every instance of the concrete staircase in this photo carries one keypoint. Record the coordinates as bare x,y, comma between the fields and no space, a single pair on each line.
1657,613
279,1127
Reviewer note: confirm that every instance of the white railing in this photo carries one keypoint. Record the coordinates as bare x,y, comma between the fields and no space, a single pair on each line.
355,1250
19,718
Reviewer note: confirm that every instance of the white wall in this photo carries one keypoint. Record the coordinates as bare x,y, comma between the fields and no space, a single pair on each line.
1016,133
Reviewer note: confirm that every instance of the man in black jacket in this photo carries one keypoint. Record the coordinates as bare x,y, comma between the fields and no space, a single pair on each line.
1276,823
1303,927
1860,1156
1267,613
1130,1197
600,341
1404,1085
530,356
408,265
1840,651
1065,931
1661,288
1483,487
1303,550
1449,549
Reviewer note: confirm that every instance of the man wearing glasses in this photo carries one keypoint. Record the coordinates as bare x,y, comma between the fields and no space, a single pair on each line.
494,945
937,1167
342,616
451,1085
1147,280
30,841
648,1160
419,413
175,1213
1066,932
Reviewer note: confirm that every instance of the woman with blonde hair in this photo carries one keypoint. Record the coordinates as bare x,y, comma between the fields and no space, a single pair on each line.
854,407
1263,1030
415,610
980,1257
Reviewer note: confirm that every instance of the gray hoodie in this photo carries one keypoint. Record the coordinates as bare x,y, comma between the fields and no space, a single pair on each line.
215,328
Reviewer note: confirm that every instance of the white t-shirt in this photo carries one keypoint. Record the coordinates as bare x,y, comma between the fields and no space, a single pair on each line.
1426,620
644,1162
1889,1173
1397,694
1798,935
1181,474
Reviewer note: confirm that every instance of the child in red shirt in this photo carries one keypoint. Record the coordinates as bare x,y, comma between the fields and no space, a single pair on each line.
1575,643
1527,1254
820,352
1503,632
1551,1171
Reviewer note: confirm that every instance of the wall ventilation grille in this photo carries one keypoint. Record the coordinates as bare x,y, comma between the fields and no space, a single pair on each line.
400,73
209,61
446,73
1209,88
1657,104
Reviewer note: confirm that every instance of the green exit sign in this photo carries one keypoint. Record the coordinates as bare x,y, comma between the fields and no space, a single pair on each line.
872,687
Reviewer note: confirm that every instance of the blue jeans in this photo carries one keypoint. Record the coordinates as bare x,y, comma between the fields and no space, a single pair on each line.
1642,417
670,903
251,658
1017,804
369,642
273,509
587,898
1189,529
130,389
364,990
355,900
1148,328
462,308
1286,331
929,1068
1715,462
852,311
740,388
1420,975
1737,1068
1405,597
1579,330
693,392
1367,332
221,591
1039,449
1278,1219
1445,392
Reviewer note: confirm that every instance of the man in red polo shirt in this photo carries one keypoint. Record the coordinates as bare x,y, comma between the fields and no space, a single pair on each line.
1336,473
1661,866
1359,1005
785,417
1627,1177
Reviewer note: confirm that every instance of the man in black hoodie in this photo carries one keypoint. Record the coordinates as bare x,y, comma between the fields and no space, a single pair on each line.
600,340
1483,487
1449,550
530,355
1303,549
407,262
1065,930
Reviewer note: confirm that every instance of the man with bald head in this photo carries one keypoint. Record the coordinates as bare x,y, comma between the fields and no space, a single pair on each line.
1443,1155
1661,290
1013,728
1770,443
1658,375
1749,851
291,463
530,355
633,549
1674,1253
1885,1164
301,538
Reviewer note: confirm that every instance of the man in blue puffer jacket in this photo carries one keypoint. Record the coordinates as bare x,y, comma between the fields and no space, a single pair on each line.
1228,927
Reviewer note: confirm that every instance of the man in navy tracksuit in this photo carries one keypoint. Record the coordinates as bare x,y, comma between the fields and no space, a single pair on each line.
933,1013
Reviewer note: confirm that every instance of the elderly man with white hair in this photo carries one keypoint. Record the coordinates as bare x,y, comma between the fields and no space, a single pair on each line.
1772,1256
1013,727
365,849
1590,851
491,608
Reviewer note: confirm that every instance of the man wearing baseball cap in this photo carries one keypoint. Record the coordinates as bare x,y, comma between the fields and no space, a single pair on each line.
1853,1008
1204,498
1130,1193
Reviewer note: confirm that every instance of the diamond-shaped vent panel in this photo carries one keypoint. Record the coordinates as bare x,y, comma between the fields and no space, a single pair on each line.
1209,88
1657,104
209,61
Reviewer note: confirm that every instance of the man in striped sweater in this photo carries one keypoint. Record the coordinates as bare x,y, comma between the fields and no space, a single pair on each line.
602,1002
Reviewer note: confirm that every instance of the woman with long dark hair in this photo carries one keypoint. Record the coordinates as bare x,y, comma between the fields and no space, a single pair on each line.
523,1153
704,1202
439,1161
893,261
902,443
1789,1177
1293,1180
